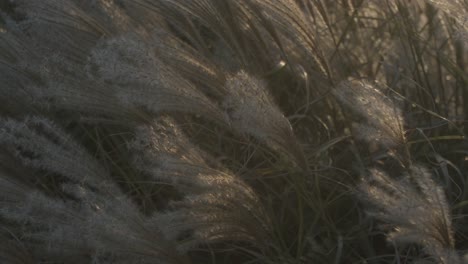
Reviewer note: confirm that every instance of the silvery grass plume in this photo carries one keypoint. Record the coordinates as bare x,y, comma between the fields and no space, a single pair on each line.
122,70
40,144
251,110
217,206
381,119
91,219
140,79
240,69
416,208
54,77
243,98
458,10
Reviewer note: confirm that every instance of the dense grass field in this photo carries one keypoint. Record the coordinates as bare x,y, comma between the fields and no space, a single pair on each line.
233,131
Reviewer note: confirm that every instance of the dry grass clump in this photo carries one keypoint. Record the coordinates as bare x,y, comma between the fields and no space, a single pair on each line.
236,131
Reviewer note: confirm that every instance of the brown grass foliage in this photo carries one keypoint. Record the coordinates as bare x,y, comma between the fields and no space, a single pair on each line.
233,131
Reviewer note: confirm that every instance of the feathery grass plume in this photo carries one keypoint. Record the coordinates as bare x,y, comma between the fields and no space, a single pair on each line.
28,210
417,209
40,144
382,118
217,206
105,227
116,228
163,151
139,78
458,10
54,21
99,221
225,213
121,64
251,110
45,80
126,72
57,78
19,66
245,100
67,86
75,25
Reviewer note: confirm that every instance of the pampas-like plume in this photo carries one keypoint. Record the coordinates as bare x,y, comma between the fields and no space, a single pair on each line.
457,9
381,119
100,221
139,78
116,73
218,206
163,151
251,110
240,69
417,209
224,214
41,144
107,227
